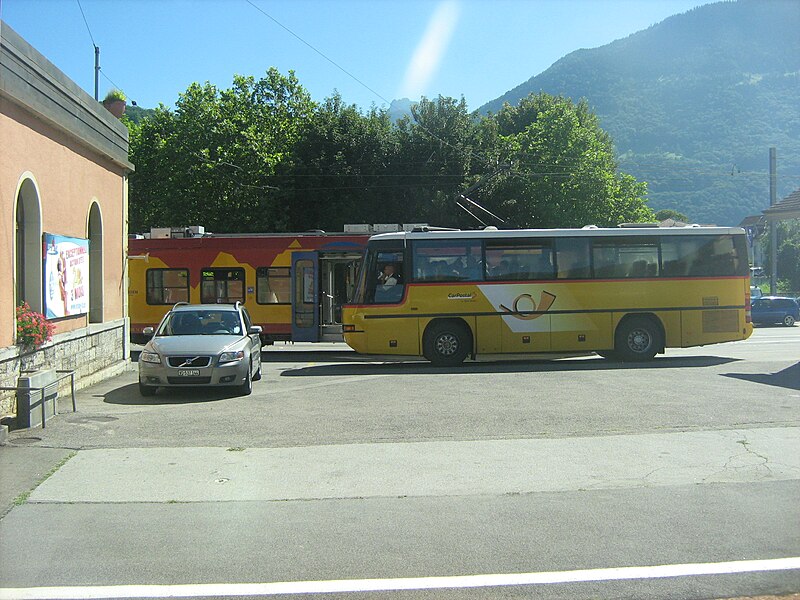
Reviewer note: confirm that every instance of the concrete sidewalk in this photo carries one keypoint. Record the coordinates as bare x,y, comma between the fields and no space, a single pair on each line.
24,464
22,469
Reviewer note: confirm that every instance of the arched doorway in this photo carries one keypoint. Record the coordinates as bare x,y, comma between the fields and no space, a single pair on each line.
28,246
95,264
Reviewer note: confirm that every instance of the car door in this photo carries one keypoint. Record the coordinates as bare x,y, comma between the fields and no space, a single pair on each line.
760,310
255,341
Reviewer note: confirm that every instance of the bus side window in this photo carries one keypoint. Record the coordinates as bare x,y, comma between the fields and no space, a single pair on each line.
572,258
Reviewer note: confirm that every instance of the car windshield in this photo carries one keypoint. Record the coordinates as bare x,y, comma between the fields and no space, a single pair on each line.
201,322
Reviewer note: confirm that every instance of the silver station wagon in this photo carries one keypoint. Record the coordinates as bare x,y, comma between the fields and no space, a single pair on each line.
201,345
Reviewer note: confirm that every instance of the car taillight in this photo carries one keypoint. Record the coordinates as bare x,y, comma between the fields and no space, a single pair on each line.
748,314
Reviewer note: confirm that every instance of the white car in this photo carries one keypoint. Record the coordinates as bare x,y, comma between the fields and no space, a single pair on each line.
202,345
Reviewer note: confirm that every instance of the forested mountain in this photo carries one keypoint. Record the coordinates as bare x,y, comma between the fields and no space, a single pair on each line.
694,103
137,113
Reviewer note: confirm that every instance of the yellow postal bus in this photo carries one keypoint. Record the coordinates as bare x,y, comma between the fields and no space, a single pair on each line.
625,293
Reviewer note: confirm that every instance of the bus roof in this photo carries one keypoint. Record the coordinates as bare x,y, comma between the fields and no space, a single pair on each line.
549,233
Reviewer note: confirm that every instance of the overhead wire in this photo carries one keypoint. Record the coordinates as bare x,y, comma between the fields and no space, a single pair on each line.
86,23
356,79
96,47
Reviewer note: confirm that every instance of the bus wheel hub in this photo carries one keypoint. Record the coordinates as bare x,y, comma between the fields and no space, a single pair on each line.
639,340
447,345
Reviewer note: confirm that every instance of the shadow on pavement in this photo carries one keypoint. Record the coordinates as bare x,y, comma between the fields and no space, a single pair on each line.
506,366
337,356
129,395
788,378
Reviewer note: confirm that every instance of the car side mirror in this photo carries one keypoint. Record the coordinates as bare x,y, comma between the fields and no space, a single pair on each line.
148,331
255,329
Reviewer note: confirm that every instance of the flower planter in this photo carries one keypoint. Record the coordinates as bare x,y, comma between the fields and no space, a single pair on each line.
115,107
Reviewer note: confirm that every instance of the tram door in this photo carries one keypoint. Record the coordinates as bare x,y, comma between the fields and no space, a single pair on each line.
321,283
305,297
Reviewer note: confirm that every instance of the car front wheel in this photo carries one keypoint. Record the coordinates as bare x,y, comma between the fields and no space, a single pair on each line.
147,390
788,320
247,387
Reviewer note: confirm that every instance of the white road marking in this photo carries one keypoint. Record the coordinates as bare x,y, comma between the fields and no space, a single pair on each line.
215,590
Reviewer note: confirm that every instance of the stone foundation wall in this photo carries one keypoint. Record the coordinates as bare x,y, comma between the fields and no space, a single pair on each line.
95,353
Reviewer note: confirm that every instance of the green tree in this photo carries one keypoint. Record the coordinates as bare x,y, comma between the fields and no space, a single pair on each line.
668,213
337,170
788,233
434,161
563,167
213,159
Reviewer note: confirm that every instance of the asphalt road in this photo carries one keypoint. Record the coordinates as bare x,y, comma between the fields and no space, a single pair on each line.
352,477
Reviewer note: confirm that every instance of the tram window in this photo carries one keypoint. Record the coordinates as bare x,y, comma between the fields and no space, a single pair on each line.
273,285
221,286
167,286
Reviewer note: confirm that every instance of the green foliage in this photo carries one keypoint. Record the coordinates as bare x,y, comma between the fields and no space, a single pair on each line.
788,255
136,114
115,95
668,213
262,157
564,172
212,159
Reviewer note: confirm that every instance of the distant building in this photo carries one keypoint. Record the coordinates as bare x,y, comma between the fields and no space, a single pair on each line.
63,225
788,208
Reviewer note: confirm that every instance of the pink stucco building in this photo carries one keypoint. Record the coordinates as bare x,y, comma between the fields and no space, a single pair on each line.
63,172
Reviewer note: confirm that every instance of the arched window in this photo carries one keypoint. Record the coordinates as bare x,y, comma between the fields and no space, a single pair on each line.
95,264
28,245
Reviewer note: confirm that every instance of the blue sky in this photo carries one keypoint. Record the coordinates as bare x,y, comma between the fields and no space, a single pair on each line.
382,49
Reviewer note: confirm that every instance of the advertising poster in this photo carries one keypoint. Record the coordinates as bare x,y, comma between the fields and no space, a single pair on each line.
66,276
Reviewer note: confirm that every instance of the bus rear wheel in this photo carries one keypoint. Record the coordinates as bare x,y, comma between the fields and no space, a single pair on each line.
638,339
446,343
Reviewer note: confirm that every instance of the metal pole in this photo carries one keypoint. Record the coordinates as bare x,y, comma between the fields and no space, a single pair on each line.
773,226
96,71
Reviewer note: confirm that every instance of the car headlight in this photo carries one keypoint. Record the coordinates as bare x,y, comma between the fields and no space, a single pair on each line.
150,357
227,357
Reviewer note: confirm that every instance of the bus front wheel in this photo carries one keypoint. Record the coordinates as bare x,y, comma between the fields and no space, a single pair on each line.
446,343
638,339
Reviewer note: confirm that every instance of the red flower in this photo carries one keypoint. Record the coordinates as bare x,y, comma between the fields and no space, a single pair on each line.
33,329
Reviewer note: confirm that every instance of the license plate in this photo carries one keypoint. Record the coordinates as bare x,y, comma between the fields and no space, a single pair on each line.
188,372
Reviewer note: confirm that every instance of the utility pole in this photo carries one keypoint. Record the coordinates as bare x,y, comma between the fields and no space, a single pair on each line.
96,71
773,224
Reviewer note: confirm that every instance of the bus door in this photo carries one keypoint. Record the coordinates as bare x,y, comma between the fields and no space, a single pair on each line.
305,297
337,274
